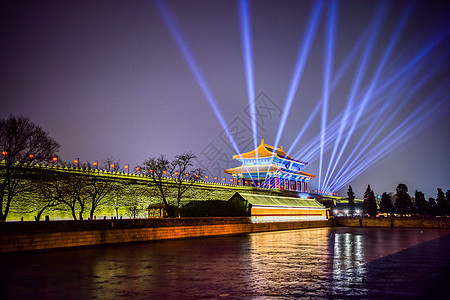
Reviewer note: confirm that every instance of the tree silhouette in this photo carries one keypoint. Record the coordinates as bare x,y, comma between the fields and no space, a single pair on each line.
22,144
403,201
351,201
369,204
420,203
442,206
386,204
172,179
431,207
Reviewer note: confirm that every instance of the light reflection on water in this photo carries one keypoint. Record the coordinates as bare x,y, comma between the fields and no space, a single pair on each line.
307,263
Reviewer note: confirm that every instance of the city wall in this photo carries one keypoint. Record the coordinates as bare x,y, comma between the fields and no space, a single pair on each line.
393,222
29,236
65,234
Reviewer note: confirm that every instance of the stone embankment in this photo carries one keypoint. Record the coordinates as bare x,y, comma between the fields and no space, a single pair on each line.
28,236
393,222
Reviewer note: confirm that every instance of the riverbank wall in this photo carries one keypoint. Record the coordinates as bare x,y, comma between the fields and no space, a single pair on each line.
393,222
29,236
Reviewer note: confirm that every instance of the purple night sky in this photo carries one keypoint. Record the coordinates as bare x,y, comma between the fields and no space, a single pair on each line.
106,79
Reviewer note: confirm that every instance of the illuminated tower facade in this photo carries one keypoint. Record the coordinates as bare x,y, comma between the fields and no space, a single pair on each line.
266,168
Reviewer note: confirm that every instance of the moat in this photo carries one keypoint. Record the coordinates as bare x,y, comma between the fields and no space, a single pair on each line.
377,263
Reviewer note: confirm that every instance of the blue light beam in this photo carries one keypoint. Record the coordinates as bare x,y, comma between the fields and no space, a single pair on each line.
299,67
402,132
246,34
329,55
189,58
355,87
374,82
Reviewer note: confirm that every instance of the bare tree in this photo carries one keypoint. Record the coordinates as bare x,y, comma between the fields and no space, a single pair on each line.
172,177
183,175
49,192
76,195
157,169
99,190
110,164
22,144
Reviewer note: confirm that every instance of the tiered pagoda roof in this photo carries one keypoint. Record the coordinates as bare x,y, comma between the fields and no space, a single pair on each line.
267,160
264,151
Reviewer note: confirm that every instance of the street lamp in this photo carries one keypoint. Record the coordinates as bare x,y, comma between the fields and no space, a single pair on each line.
55,159
126,168
77,162
96,164
112,167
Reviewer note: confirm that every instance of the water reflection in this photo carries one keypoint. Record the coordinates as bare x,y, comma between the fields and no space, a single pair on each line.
289,263
348,269
307,263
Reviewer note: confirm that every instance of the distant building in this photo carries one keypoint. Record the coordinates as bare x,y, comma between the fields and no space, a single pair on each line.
156,211
266,168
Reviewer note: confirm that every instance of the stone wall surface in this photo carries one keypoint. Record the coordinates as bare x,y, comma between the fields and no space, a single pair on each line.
393,222
121,232
28,236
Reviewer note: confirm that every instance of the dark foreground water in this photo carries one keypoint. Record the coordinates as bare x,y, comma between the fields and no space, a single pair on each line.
310,263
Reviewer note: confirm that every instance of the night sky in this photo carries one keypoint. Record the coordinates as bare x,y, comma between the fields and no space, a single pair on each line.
107,79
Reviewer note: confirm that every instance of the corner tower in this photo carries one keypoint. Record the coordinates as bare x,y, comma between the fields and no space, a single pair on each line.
267,167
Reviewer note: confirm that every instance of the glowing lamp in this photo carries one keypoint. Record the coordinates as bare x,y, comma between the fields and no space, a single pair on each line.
196,175
151,170
76,161
164,172
231,180
55,158
31,156
215,178
186,174
4,153
137,168
112,166
95,163
206,177
126,167
223,179
176,173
